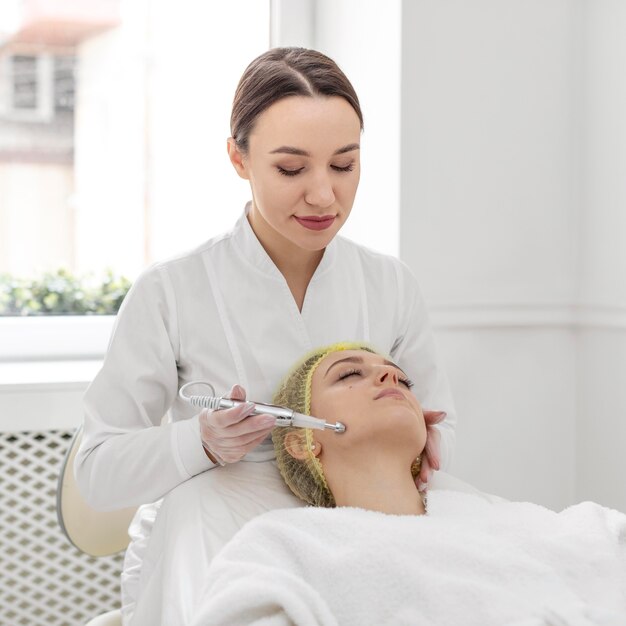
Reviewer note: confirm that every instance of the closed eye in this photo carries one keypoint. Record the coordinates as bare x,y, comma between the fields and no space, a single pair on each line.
357,372
348,373
336,168
347,168
285,172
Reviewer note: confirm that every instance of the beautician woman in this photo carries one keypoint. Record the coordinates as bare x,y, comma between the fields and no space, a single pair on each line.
244,305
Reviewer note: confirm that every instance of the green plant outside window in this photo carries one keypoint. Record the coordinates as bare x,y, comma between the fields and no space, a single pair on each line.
62,293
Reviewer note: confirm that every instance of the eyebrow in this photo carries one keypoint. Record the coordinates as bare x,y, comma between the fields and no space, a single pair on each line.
359,359
298,152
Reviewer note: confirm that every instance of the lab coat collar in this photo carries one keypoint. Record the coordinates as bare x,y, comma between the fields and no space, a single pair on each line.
254,252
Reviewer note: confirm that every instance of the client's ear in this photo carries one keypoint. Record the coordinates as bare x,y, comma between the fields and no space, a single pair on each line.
295,444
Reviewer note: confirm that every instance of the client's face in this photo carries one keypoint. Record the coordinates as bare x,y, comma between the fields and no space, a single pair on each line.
372,397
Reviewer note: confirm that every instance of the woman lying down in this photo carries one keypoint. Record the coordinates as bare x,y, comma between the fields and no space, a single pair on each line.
371,550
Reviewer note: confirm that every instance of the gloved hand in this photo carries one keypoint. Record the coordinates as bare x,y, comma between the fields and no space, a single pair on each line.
431,457
229,434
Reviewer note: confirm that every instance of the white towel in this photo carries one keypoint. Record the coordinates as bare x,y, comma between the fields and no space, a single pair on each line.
468,562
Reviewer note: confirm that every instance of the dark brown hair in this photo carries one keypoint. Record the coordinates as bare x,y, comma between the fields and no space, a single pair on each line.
280,73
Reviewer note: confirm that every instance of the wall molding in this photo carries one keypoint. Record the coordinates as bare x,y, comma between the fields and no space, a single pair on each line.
86,337
511,315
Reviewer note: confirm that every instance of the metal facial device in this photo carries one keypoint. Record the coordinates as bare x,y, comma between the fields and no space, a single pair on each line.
283,415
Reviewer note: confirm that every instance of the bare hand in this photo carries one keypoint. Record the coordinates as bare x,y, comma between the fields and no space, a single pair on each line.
229,434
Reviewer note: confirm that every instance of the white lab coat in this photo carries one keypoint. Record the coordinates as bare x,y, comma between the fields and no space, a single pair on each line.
223,313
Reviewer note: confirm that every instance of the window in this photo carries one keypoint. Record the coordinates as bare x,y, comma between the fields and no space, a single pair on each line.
112,138
112,133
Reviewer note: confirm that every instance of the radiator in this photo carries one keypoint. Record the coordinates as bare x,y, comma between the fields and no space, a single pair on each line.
44,580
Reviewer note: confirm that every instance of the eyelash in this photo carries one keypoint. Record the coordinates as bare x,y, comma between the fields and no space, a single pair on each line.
356,372
285,172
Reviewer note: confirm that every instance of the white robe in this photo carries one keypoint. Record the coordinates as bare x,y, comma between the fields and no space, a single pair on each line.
467,562
223,313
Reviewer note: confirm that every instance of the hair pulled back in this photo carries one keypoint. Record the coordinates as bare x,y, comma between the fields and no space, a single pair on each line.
280,73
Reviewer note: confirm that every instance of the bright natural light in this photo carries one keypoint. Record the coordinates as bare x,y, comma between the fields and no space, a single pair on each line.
113,125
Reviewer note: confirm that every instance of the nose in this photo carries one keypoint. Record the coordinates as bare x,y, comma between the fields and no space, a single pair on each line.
320,192
387,374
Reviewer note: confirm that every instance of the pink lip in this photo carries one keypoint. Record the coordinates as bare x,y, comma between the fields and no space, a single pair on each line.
313,222
390,391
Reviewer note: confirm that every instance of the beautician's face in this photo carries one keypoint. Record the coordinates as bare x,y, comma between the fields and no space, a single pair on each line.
303,165
371,396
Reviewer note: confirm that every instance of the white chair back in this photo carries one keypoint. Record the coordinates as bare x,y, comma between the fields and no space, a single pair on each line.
96,533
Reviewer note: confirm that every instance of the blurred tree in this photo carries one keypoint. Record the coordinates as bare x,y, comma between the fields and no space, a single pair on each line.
62,293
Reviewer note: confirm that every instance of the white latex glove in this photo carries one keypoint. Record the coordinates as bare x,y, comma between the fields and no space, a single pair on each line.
229,434
431,458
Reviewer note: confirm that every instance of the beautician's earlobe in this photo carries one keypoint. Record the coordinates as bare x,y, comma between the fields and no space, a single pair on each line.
236,158
295,444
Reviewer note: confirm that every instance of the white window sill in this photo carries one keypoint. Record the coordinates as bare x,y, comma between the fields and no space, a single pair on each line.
54,338
46,364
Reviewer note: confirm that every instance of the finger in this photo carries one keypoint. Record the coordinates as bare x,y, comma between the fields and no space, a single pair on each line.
246,438
434,417
255,442
433,452
231,426
213,456
232,455
251,424
223,418
237,392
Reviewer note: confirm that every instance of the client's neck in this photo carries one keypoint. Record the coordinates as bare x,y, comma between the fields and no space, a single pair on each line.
376,486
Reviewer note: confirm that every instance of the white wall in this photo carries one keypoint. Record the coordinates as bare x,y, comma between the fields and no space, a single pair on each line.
513,388
512,217
488,135
489,224
602,418
362,37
